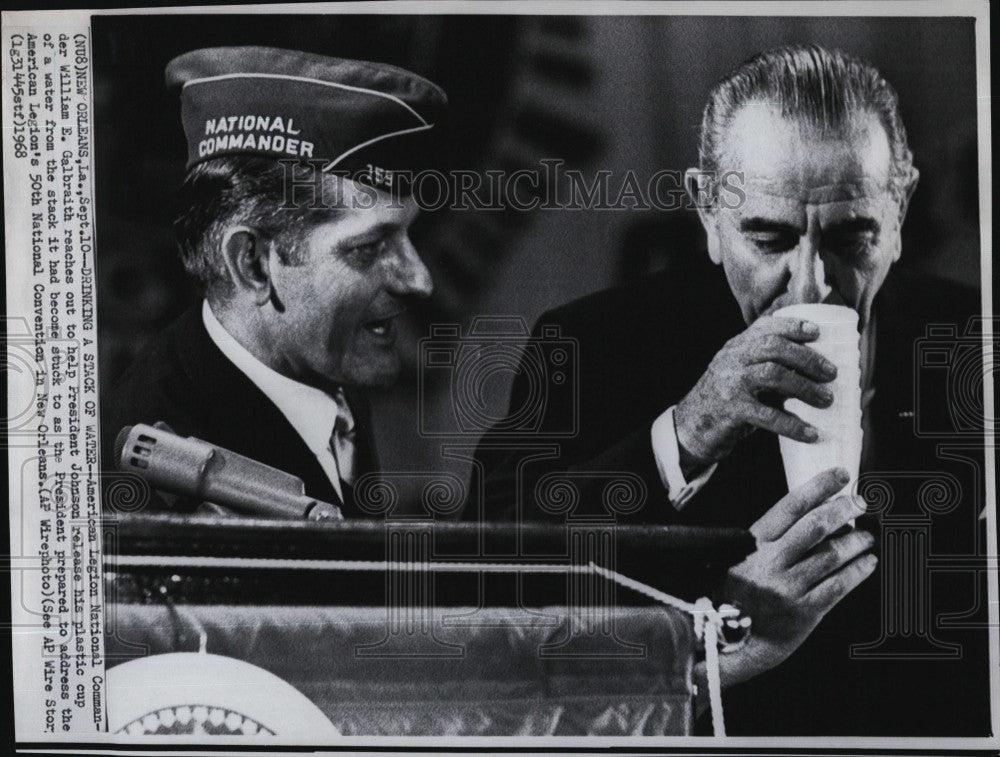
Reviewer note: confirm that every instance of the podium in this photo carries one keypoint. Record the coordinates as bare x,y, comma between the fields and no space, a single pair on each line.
419,628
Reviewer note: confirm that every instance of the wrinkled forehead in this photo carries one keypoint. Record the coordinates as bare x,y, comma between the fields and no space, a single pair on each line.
861,198
787,158
859,189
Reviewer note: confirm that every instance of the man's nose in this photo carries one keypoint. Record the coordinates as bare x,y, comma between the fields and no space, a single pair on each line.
409,275
808,281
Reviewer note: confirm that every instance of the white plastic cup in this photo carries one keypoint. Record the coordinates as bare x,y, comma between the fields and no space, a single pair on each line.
839,426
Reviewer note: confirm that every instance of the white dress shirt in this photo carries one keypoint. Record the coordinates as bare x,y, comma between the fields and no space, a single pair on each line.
311,412
666,450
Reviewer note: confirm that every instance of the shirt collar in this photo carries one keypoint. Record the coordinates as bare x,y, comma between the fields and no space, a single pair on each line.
312,412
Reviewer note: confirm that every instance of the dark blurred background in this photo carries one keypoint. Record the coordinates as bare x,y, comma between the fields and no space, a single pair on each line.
600,93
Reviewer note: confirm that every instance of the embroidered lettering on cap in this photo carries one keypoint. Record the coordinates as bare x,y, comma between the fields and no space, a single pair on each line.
250,123
248,139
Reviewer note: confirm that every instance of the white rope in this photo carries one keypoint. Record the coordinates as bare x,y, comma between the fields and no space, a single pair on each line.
649,591
198,627
707,619
711,632
707,622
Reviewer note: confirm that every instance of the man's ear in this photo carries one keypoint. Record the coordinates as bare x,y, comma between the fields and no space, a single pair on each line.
908,190
904,203
246,255
700,192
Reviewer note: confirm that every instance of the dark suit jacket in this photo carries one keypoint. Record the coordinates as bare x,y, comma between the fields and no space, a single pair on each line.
642,347
183,379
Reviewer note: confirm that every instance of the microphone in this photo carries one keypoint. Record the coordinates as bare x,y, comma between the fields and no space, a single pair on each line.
193,468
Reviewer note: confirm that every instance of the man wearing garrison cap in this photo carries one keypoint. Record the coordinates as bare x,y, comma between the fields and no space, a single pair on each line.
294,222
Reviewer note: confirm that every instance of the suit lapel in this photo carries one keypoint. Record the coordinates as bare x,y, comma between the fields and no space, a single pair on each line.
892,407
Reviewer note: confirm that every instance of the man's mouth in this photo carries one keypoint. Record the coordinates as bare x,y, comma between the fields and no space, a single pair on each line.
379,328
382,327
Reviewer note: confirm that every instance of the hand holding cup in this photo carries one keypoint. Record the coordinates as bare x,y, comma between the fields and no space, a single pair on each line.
744,384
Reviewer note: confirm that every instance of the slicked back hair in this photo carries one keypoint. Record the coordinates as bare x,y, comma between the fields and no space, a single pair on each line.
823,88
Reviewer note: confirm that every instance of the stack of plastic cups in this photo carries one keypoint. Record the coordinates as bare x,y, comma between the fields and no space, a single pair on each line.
839,426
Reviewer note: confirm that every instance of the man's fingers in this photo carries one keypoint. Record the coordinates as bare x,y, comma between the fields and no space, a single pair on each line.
788,383
779,421
789,509
798,357
791,328
815,526
840,584
830,556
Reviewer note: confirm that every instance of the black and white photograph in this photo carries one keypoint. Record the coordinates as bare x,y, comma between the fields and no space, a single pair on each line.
588,377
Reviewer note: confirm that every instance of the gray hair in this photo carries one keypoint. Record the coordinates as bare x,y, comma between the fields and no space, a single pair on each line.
824,88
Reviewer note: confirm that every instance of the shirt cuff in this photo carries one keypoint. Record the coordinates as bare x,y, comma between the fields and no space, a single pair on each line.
668,460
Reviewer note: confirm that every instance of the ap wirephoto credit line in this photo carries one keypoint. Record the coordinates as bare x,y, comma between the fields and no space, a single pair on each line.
488,376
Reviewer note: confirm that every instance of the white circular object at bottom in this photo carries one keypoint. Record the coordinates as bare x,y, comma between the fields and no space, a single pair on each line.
188,693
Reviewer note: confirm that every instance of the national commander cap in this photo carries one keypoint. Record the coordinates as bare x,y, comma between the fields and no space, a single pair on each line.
367,120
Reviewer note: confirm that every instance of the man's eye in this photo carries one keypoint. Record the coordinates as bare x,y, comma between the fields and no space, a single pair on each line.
368,252
773,242
852,242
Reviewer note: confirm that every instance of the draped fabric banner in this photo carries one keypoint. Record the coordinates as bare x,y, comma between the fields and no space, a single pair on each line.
510,674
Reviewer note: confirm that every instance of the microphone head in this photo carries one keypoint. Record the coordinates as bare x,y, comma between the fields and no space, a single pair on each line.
120,444
324,511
